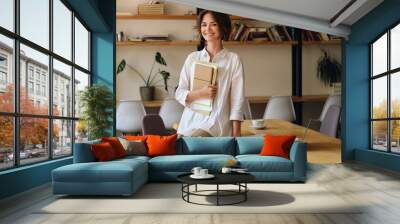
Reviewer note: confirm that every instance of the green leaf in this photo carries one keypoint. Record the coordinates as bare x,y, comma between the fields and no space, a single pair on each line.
159,59
121,66
165,76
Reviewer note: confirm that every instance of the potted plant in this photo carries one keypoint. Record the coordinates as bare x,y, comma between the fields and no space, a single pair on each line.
329,70
147,91
97,103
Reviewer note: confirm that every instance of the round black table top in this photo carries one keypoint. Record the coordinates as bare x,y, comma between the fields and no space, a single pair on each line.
220,178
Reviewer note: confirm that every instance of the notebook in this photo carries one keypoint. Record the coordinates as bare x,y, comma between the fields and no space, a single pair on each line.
205,74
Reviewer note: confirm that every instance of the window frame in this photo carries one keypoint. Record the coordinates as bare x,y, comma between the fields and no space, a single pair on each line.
388,74
16,114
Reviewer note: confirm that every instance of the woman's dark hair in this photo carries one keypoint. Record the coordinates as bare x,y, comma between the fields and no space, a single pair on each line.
223,21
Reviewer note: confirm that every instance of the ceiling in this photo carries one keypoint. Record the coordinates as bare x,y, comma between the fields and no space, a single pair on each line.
316,15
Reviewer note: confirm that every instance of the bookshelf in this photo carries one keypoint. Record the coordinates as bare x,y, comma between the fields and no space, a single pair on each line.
194,43
309,37
168,17
322,42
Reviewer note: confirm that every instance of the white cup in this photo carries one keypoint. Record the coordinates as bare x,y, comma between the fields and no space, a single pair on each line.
196,170
203,172
257,123
226,170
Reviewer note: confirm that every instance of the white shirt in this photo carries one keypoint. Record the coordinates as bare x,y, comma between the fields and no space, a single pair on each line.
228,102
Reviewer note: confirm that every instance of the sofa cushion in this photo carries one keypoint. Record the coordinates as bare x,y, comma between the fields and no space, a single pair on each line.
185,163
134,147
161,145
249,145
103,152
275,145
116,145
206,145
257,163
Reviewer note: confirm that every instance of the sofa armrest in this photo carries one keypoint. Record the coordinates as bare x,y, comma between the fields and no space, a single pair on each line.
298,155
83,152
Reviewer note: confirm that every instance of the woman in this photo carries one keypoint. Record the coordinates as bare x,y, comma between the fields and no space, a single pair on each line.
227,94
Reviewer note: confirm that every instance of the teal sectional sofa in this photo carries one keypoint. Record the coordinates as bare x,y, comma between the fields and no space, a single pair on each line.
125,176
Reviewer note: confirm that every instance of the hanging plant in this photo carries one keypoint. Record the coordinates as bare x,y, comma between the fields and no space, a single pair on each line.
329,70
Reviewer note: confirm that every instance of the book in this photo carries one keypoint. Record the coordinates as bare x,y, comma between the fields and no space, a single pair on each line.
205,74
239,32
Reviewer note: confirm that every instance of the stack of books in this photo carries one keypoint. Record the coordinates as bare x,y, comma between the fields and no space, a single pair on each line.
316,36
242,32
156,37
205,74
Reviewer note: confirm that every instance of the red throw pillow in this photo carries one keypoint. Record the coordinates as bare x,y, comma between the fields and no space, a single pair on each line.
103,152
135,137
277,146
116,145
161,145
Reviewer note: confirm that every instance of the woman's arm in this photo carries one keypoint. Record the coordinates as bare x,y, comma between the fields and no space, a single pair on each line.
237,98
236,131
205,92
183,94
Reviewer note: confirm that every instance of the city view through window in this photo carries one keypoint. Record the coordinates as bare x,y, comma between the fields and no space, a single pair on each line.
385,91
42,122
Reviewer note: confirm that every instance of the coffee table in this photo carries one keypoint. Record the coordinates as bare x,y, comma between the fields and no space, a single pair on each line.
238,179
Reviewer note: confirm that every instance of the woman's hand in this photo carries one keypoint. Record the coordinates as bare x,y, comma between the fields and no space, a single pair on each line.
209,91
206,92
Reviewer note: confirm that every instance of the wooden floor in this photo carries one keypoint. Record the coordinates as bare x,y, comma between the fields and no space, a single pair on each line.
379,190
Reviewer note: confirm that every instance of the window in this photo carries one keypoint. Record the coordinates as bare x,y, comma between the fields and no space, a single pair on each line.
3,78
35,22
7,14
3,72
38,89
30,73
385,94
81,45
30,88
37,74
54,126
44,91
62,31
43,77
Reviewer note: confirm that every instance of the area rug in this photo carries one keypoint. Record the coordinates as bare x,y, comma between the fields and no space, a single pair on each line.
167,198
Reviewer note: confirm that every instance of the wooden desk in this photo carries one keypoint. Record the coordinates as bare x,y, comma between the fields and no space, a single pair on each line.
256,99
320,148
296,99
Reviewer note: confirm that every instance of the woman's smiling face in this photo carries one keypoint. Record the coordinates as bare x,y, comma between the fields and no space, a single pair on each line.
210,28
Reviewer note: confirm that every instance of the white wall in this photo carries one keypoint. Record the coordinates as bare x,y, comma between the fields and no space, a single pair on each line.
267,68
311,54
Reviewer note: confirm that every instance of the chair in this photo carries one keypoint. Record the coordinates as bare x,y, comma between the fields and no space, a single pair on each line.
330,122
247,110
280,107
332,100
153,124
171,112
130,114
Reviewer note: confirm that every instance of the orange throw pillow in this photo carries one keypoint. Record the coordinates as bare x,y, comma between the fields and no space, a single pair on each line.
277,146
161,145
116,145
103,152
135,137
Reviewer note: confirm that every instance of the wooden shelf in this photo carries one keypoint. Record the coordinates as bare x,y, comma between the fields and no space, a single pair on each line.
322,42
172,17
194,43
158,43
169,17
